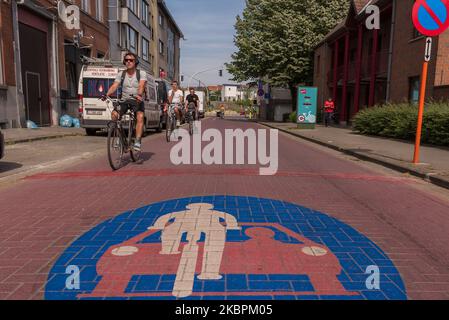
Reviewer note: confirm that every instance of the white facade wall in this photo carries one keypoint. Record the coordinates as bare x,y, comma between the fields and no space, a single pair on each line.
229,93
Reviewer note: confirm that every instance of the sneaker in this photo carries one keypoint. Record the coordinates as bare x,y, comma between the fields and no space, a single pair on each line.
137,146
178,123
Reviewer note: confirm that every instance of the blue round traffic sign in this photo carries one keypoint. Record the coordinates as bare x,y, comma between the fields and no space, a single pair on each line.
431,17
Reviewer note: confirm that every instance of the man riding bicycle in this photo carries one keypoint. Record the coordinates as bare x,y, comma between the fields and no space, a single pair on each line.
192,98
133,82
176,97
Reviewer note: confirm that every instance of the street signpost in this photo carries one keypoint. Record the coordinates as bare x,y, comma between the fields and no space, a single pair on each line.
431,18
307,107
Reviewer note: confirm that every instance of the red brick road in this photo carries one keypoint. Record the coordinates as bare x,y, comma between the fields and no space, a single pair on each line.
42,215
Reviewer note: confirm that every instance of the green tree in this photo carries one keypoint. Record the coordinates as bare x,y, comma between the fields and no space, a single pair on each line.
275,39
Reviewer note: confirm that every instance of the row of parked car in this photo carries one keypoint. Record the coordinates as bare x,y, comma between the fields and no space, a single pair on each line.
95,80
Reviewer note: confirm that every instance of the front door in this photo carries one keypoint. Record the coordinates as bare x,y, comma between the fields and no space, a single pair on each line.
33,96
34,60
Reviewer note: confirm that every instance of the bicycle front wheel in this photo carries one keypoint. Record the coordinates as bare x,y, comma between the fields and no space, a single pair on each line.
191,125
134,154
115,146
168,127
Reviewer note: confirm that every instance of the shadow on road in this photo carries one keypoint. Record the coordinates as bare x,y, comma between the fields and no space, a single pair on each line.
8,166
145,156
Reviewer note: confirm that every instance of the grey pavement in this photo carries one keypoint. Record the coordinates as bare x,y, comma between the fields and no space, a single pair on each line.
392,153
13,136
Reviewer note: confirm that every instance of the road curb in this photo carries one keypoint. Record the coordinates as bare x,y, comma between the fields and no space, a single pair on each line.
427,176
56,136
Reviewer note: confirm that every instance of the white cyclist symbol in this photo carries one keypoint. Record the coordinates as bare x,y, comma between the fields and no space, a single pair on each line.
198,219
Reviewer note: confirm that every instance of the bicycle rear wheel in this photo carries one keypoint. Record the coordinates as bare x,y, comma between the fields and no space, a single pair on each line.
115,146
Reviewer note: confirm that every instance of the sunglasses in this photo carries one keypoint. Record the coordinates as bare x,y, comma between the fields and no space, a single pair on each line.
129,60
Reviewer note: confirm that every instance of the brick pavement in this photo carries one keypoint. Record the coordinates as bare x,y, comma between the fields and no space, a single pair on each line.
43,215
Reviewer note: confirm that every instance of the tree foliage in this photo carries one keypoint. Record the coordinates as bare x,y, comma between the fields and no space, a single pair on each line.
275,38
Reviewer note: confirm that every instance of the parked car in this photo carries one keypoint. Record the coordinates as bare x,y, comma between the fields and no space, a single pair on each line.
95,80
2,145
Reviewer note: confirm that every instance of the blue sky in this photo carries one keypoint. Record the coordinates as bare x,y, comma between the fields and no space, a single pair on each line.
208,26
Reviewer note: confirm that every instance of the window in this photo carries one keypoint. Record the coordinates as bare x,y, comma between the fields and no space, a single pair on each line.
145,13
96,87
161,47
129,38
99,10
133,5
85,5
161,21
145,49
414,83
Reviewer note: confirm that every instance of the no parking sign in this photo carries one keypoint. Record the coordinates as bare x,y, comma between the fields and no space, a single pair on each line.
431,17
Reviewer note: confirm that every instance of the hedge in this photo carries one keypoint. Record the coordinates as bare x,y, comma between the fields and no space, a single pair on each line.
400,121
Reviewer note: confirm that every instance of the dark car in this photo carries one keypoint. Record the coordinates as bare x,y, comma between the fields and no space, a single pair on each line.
2,145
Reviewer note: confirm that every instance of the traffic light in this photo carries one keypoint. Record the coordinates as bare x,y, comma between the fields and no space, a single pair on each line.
182,78
220,73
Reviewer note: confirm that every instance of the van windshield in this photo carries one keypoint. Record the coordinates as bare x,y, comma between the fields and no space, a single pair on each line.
96,87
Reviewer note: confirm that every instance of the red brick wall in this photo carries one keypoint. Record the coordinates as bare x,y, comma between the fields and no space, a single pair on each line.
408,55
442,61
89,24
321,67
7,39
91,27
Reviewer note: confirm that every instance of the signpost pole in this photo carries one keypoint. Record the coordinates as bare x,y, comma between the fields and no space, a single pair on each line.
422,99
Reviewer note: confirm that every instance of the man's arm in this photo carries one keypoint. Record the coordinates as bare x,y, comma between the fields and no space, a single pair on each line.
141,89
113,88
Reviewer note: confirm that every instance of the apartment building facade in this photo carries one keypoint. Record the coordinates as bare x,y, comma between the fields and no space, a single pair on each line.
168,46
147,28
131,27
359,68
40,58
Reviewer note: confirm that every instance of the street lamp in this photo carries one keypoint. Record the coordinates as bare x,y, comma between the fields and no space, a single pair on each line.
207,70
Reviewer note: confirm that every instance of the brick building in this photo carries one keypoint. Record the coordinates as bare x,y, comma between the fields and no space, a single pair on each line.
358,67
40,58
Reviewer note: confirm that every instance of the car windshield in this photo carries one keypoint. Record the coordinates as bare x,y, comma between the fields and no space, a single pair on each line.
96,87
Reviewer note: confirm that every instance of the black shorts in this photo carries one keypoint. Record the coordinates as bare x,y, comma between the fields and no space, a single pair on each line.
125,107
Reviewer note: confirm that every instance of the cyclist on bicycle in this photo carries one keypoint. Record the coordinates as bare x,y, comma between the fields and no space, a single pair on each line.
133,82
176,97
192,98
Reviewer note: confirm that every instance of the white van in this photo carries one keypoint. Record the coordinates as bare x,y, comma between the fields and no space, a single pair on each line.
202,100
95,81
